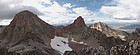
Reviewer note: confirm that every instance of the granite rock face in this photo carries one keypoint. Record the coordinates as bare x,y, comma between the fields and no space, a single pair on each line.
109,32
27,34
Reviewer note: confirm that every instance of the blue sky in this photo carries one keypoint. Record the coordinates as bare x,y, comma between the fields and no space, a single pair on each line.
93,5
60,12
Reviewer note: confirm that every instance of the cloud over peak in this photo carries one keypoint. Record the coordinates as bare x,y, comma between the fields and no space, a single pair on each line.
124,9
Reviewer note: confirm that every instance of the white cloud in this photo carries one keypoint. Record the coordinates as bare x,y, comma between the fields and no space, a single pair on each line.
5,22
67,5
61,14
10,7
54,13
85,13
128,21
125,9
57,14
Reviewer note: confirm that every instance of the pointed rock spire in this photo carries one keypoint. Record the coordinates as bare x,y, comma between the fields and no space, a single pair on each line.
78,23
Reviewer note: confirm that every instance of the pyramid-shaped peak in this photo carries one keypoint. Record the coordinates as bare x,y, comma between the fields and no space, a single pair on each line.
25,12
27,25
27,30
79,20
80,17
24,17
78,23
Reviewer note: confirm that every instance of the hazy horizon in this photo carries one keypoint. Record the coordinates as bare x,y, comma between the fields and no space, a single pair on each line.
62,12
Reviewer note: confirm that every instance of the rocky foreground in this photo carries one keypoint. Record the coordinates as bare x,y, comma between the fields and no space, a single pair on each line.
27,34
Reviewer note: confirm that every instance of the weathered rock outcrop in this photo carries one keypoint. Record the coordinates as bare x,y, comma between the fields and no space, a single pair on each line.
87,51
27,34
79,32
132,48
2,28
109,32
135,35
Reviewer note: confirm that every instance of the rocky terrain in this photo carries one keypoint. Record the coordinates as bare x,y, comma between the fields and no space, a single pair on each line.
1,28
109,31
27,34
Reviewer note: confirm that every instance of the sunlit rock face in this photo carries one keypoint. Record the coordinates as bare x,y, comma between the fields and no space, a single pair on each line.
27,34
109,32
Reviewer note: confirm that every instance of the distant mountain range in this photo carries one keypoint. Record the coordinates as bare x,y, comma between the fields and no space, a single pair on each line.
27,34
132,26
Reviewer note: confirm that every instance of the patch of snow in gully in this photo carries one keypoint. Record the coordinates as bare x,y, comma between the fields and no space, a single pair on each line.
78,42
60,44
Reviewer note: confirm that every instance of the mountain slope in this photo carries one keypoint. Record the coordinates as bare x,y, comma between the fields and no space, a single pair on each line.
80,33
27,33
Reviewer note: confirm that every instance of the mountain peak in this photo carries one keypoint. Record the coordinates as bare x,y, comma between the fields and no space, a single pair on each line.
80,17
27,25
27,12
24,17
78,23
79,20
100,26
109,31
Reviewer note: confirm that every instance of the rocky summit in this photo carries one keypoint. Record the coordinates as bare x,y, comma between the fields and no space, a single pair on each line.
27,34
109,31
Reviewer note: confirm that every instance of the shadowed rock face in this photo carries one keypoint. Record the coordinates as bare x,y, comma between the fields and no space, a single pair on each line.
137,32
81,33
135,35
87,51
27,34
78,23
1,28
132,48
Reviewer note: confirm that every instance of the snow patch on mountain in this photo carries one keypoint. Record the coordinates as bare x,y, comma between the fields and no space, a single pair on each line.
78,42
122,37
60,44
